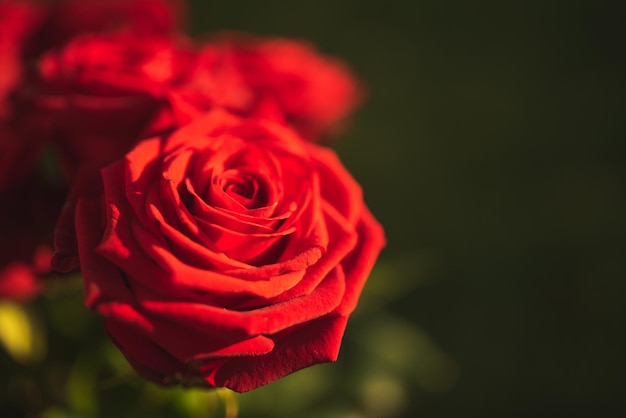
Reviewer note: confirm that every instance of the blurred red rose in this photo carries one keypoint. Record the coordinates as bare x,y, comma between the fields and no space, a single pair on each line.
147,83
67,19
230,253
287,78
99,92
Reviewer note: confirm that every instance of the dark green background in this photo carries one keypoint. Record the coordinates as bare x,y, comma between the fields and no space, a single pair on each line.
492,148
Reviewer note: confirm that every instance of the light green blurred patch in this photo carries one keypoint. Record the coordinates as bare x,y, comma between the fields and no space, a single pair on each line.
383,395
405,350
115,359
190,402
22,334
81,388
55,412
294,394
199,403
203,402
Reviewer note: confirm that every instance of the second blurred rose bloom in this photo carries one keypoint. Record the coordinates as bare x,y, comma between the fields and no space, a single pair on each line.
151,83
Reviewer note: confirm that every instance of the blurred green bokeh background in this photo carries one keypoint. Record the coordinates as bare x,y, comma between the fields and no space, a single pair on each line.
492,148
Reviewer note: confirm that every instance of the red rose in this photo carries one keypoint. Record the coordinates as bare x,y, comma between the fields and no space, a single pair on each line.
147,84
230,253
290,78
99,92
67,19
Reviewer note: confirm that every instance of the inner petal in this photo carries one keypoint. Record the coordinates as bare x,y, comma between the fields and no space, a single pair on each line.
244,188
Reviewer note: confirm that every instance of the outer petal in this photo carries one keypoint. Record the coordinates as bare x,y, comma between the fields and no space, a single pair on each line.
339,187
181,341
316,342
146,357
87,184
266,320
102,279
359,263
154,266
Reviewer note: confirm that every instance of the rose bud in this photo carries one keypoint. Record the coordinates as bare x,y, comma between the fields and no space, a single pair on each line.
229,253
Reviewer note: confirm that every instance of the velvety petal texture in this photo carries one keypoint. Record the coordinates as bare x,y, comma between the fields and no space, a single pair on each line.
228,253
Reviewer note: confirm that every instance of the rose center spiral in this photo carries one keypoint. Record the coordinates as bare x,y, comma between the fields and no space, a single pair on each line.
244,188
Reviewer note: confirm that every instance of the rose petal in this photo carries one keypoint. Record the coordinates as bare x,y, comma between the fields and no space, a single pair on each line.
155,267
102,280
146,357
232,220
343,241
266,320
340,188
182,342
254,249
191,252
359,263
318,341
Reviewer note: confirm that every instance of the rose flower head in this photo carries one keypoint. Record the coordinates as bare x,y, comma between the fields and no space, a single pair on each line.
229,253
101,91
287,80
